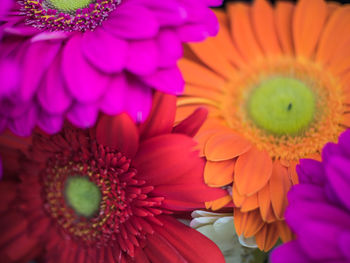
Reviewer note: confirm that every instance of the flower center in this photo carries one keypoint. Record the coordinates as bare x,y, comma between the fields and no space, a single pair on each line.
67,15
82,195
288,107
69,5
93,193
282,105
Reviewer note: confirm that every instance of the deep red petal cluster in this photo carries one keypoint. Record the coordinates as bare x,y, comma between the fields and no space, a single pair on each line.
156,168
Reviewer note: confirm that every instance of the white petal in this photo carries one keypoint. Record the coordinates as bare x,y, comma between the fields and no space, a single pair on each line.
247,241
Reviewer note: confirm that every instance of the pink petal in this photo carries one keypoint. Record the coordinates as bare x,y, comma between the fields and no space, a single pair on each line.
52,94
143,57
85,83
106,52
132,21
83,115
168,80
114,98
35,65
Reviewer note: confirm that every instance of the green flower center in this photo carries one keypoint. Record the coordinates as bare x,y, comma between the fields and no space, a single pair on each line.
82,195
69,5
282,106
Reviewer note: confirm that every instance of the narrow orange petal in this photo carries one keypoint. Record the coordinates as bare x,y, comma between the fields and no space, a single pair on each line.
253,171
267,237
279,187
264,24
208,93
264,200
292,173
183,111
219,203
198,75
225,42
237,198
284,18
238,218
335,35
252,223
215,58
250,203
332,7
242,31
225,145
307,26
284,231
218,174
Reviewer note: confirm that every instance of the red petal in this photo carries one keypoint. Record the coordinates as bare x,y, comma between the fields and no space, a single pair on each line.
167,158
118,132
162,116
182,237
192,123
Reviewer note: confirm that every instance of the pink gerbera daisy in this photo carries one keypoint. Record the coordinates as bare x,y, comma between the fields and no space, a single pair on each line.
80,57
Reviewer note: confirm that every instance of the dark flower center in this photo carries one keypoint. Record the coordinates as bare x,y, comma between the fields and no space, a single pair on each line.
67,15
94,195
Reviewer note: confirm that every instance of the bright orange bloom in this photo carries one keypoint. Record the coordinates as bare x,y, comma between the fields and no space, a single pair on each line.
276,81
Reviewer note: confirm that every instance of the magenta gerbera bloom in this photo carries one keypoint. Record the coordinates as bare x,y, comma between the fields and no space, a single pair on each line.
84,56
319,209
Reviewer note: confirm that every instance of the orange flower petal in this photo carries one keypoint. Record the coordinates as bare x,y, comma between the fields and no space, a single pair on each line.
279,187
196,74
253,171
247,224
210,53
218,174
307,26
185,110
267,237
242,31
284,231
264,200
237,198
225,42
335,36
197,91
292,173
284,18
264,24
250,203
219,203
346,120
225,145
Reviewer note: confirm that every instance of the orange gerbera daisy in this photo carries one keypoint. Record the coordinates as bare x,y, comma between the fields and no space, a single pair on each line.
276,81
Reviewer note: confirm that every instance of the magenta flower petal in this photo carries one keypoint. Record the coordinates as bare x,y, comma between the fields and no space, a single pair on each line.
344,242
140,100
169,48
24,124
81,77
52,94
114,99
36,65
168,80
9,77
339,178
106,52
293,252
50,123
144,24
143,59
138,40
84,115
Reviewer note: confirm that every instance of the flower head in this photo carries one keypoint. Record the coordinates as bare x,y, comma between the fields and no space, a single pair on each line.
276,83
319,208
106,193
84,56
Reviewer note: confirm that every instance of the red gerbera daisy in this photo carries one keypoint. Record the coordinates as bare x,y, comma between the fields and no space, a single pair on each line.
106,194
